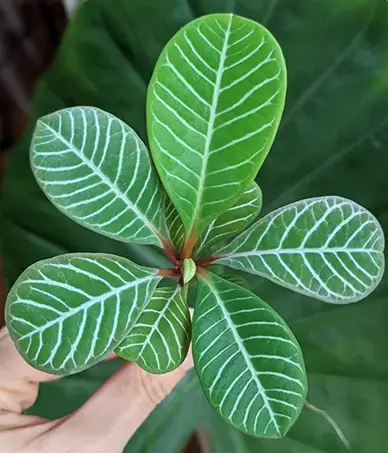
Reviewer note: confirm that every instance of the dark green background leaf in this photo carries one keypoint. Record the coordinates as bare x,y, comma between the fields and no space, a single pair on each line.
333,140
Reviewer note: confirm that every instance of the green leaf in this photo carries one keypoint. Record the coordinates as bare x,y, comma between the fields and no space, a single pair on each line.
160,339
214,103
248,361
176,231
95,169
329,248
231,222
66,313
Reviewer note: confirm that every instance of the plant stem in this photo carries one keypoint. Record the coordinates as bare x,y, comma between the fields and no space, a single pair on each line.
170,252
168,273
204,262
334,425
188,246
202,272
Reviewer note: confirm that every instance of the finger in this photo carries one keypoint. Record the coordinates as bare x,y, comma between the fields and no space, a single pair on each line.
18,379
114,412
16,366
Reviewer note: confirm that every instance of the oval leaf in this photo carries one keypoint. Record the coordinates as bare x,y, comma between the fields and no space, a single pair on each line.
96,170
66,313
213,107
248,361
161,337
329,248
234,220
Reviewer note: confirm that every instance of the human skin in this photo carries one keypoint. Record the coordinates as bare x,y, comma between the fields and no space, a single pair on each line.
104,424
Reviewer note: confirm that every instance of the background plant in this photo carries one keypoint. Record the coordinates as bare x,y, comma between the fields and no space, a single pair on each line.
293,308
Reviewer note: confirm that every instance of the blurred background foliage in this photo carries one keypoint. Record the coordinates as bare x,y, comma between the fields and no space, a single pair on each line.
332,140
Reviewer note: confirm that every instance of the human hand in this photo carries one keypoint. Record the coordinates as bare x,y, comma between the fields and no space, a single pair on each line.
103,424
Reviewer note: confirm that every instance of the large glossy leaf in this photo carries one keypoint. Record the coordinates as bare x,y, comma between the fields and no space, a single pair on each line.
231,222
96,170
66,313
333,140
329,248
161,336
248,361
214,104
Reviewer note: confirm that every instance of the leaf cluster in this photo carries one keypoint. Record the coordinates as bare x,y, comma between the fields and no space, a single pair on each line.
213,108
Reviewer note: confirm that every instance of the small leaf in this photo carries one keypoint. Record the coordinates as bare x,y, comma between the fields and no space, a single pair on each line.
176,231
96,170
329,248
234,220
189,270
213,107
66,313
247,359
161,337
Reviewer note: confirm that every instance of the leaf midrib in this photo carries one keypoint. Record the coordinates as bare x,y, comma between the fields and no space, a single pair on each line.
86,305
244,352
300,251
106,180
212,118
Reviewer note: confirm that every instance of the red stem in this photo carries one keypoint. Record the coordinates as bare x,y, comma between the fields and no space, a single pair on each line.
202,272
204,262
188,246
168,273
171,253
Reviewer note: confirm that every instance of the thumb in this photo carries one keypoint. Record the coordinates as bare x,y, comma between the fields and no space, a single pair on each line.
112,415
